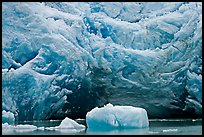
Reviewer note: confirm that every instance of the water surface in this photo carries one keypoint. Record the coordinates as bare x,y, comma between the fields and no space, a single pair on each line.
156,127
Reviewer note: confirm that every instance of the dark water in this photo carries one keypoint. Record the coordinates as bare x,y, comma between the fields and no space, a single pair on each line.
156,127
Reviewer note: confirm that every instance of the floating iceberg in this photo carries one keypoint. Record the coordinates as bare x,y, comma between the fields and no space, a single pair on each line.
68,126
69,123
7,126
116,117
8,117
64,59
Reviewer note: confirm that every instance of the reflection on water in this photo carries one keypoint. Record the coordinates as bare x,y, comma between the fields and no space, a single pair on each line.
156,127
142,131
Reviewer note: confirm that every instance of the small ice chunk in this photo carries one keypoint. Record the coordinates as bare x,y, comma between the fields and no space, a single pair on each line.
7,126
69,123
193,120
7,117
50,128
170,130
68,126
119,117
53,120
26,127
41,128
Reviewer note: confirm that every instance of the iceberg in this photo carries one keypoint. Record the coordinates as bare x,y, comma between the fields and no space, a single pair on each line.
8,117
68,126
116,117
69,123
64,59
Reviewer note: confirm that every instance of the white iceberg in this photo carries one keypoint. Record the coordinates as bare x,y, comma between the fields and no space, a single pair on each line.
68,125
7,126
119,117
7,117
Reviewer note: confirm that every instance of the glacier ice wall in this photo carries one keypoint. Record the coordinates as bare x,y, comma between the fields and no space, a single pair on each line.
63,59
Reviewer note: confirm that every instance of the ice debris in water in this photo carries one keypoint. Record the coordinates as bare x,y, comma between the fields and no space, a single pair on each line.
18,127
120,117
67,125
170,130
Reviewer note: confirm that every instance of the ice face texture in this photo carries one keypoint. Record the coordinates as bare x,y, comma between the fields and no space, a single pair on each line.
64,59
116,117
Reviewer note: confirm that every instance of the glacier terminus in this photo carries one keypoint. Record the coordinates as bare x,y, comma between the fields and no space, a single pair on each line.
62,59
